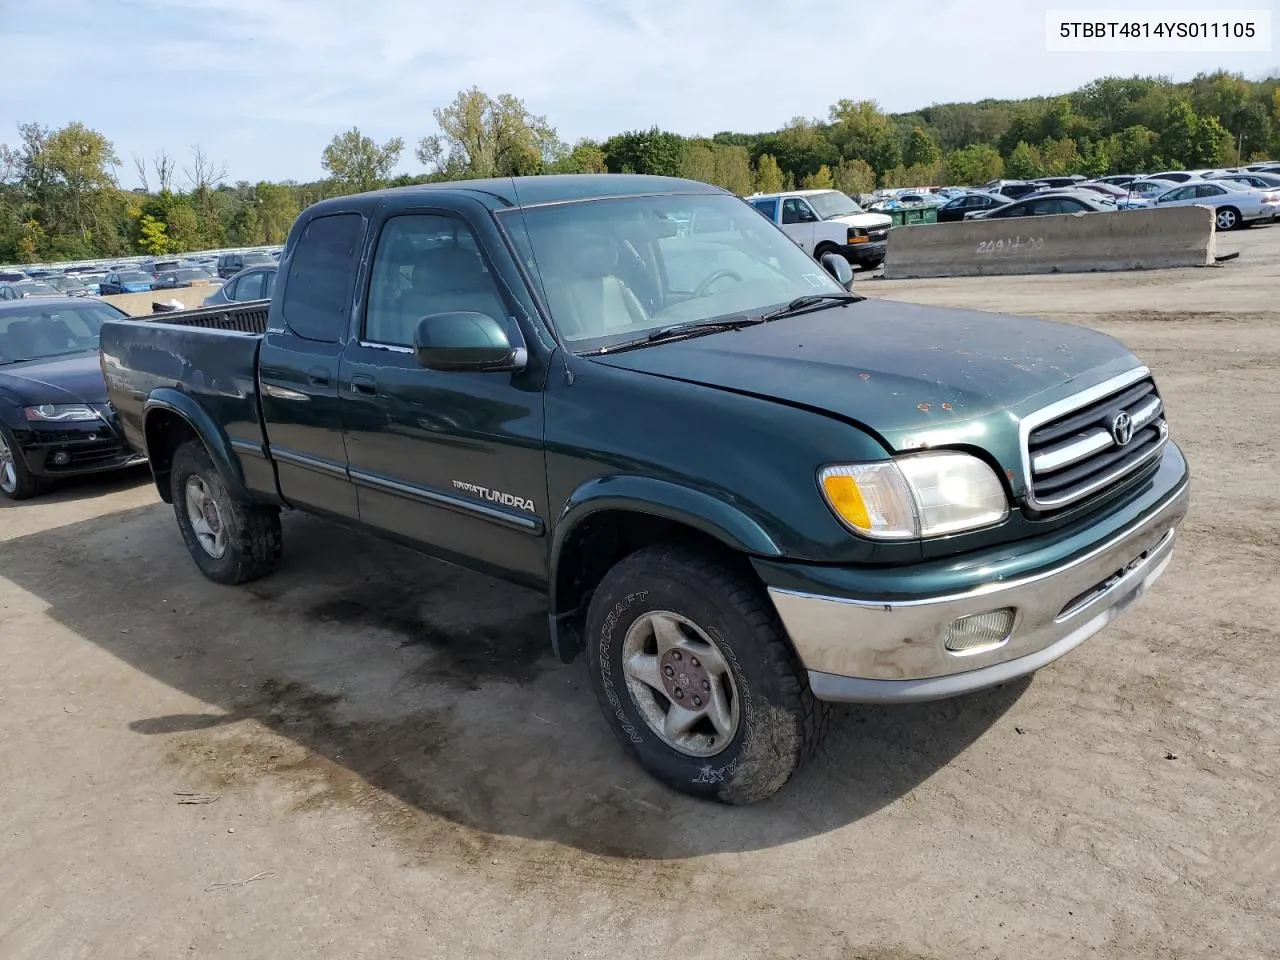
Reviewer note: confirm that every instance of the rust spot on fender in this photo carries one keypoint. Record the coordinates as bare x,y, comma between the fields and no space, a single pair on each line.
922,407
946,406
864,376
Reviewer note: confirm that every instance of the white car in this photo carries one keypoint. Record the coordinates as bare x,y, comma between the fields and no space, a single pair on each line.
827,221
1236,205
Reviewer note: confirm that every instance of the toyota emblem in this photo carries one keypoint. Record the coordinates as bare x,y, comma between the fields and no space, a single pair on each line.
1121,428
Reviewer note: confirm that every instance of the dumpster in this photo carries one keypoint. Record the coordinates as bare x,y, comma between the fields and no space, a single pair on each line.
908,216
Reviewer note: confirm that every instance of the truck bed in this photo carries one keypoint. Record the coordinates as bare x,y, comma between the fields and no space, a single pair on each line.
150,358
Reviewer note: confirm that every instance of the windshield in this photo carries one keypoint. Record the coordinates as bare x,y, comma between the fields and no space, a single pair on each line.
34,288
34,332
135,277
252,259
613,270
831,203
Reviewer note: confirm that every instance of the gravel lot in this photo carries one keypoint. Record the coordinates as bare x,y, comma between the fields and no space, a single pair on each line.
399,769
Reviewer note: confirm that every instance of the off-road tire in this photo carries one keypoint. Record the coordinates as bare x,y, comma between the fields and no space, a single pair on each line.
781,723
254,541
27,484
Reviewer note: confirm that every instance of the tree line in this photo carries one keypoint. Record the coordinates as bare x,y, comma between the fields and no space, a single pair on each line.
60,197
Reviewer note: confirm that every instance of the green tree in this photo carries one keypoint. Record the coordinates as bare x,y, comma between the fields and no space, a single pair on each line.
1210,144
861,131
1132,149
973,165
854,176
800,148
1061,157
152,236
1025,162
769,174
483,136
1178,140
277,209
698,161
358,163
182,228
651,151
820,179
585,157
921,150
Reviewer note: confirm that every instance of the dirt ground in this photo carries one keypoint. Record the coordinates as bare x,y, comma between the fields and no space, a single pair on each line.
397,767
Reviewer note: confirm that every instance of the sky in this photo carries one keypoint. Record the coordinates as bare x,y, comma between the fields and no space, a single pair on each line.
263,85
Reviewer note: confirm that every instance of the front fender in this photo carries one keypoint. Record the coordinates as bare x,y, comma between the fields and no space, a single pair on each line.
671,501
210,432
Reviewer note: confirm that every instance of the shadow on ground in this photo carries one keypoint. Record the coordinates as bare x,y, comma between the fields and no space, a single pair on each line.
82,487
362,665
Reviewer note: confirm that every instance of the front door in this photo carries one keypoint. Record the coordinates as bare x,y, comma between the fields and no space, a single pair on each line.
452,461
798,222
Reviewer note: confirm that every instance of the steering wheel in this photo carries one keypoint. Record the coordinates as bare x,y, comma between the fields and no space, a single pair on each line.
705,286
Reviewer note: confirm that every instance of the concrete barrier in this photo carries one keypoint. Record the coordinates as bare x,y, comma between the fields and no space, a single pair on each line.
138,304
1063,243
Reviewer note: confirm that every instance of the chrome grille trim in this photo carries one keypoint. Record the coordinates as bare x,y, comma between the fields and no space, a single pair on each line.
1076,456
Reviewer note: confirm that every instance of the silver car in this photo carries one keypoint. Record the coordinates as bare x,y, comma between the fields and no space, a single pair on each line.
1236,205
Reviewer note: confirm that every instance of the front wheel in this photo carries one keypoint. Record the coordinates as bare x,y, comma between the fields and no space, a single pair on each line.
697,678
16,481
1228,218
229,540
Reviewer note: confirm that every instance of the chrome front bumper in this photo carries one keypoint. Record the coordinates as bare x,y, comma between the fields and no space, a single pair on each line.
861,651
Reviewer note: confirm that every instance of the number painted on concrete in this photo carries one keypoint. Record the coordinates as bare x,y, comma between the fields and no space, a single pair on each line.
1012,245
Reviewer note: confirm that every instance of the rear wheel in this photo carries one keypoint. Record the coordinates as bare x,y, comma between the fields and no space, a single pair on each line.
16,481
229,540
1228,218
697,678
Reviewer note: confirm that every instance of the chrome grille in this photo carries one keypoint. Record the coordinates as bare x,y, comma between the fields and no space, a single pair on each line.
1074,449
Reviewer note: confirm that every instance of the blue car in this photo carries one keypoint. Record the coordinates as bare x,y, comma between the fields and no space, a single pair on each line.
126,281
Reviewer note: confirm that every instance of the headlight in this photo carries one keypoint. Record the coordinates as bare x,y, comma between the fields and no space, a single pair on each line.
919,495
61,412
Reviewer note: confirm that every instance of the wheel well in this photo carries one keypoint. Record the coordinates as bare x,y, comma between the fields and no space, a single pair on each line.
165,432
825,247
596,544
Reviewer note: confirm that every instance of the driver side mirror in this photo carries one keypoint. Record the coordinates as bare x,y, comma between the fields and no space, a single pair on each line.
465,341
839,268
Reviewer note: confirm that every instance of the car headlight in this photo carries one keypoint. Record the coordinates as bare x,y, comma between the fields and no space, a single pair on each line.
61,412
914,496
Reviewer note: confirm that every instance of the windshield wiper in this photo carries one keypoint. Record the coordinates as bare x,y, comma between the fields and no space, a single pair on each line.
811,300
682,331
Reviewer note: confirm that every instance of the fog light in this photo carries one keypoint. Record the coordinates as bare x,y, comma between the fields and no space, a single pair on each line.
61,458
979,632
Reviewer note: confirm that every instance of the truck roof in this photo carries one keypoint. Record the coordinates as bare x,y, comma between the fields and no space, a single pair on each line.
792,193
551,188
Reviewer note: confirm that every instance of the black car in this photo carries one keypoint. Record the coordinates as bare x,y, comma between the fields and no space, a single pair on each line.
229,264
966,203
1047,204
1258,181
54,417
183,277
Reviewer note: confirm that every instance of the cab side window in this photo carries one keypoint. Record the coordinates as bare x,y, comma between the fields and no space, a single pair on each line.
426,264
795,210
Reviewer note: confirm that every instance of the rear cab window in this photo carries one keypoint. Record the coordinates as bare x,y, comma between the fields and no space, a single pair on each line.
322,274
768,207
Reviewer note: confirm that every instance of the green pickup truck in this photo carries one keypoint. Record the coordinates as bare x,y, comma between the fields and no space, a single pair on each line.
746,491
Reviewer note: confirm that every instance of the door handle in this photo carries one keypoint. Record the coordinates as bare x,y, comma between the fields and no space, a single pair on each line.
318,377
364,385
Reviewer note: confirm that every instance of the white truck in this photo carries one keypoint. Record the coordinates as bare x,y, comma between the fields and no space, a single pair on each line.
827,221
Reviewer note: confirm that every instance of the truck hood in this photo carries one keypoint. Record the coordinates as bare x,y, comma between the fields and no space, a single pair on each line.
912,376
867,221
71,379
